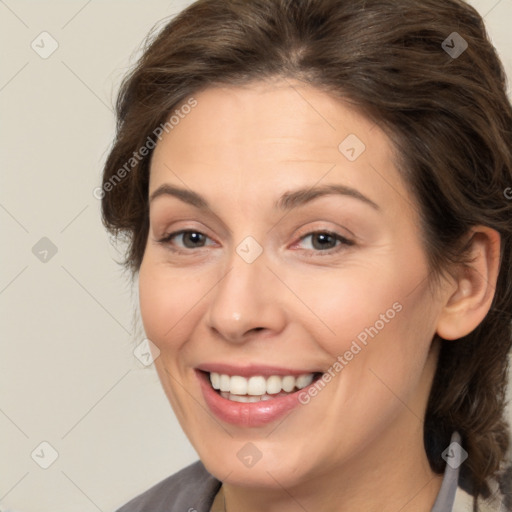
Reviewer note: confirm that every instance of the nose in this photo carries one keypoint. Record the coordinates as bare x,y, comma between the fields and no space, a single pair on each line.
247,301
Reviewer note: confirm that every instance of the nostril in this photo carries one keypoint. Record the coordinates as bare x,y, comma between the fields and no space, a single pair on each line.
255,329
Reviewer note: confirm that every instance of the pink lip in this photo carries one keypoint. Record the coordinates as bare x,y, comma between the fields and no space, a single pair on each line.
249,371
254,414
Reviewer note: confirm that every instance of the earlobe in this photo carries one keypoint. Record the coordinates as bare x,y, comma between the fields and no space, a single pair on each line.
475,284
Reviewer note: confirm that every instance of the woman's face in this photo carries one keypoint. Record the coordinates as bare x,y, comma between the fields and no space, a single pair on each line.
301,255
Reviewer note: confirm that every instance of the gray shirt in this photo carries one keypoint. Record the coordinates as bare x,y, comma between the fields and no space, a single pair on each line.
193,489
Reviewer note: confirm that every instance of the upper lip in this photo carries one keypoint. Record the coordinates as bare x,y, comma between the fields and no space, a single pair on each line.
252,370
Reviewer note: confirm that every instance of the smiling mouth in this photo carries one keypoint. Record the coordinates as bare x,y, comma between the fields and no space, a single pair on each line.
258,388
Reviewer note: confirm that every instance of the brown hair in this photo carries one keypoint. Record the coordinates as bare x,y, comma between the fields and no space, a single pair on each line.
448,117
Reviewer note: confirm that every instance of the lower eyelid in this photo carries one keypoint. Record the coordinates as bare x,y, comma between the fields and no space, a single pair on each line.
340,238
344,242
166,241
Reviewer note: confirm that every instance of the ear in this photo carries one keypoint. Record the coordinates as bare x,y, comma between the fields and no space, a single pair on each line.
469,299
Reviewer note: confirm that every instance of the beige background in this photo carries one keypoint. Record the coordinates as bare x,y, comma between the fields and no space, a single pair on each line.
67,369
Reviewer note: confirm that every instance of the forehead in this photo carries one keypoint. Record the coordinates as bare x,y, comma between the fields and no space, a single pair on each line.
268,133
279,113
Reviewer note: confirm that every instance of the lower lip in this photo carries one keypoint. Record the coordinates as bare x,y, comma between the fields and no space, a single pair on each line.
247,414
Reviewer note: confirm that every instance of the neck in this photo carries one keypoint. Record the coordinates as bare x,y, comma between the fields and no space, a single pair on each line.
402,480
391,473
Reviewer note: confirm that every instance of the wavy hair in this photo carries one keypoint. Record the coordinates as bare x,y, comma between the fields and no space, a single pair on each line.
447,115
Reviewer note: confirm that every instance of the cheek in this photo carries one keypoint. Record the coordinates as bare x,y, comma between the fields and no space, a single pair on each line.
169,302
380,317
351,303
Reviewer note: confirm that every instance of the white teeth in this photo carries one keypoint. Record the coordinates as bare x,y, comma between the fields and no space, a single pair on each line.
224,381
238,385
243,398
215,380
258,386
288,383
274,384
304,380
249,398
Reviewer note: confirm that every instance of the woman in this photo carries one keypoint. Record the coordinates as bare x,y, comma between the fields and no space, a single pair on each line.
314,194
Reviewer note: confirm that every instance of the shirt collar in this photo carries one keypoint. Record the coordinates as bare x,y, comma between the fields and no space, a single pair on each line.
446,496
454,456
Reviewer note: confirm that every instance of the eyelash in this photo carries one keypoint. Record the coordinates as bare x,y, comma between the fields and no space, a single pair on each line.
344,242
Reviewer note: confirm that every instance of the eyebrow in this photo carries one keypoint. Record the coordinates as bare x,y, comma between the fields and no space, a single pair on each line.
287,201
187,196
302,196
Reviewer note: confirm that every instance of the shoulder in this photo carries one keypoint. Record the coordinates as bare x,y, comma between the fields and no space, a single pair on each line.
190,490
499,499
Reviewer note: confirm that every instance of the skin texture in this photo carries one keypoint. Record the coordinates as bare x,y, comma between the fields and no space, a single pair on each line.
358,445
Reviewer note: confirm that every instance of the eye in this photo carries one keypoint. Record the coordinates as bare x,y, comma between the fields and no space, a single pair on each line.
185,239
325,241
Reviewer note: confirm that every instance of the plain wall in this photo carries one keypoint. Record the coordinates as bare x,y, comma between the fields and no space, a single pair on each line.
68,373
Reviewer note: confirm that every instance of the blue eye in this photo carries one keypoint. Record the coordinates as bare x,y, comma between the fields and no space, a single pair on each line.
189,239
326,241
